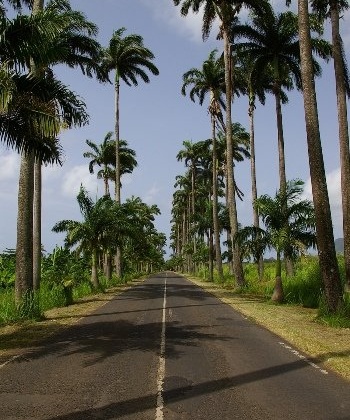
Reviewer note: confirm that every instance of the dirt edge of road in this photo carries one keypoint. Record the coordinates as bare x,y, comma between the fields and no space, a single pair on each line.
296,325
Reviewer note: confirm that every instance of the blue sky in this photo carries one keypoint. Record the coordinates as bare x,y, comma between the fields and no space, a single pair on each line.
156,119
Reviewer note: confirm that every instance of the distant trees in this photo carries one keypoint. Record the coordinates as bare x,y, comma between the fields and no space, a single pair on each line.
106,225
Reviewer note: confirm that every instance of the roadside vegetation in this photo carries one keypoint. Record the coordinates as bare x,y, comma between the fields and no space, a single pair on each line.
65,281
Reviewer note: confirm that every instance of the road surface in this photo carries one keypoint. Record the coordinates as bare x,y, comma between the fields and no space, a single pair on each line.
166,349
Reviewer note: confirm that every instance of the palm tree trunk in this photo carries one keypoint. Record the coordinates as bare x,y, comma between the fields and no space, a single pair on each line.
231,199
94,271
24,247
38,6
253,176
278,295
37,226
118,257
193,210
280,137
215,207
324,229
282,165
343,135
210,254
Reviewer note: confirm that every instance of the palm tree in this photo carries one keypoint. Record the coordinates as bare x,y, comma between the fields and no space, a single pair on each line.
226,11
290,226
75,47
255,87
272,42
129,59
89,234
32,110
210,80
324,229
332,9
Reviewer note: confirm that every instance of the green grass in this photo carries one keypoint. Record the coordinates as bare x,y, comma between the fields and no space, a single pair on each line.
304,288
51,295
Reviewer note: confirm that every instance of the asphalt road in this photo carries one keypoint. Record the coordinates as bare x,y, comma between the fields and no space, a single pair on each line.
166,349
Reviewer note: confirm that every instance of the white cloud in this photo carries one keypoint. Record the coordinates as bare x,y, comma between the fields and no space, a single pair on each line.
9,166
76,176
149,197
189,26
334,192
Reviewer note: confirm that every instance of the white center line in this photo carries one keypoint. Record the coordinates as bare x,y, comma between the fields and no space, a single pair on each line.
161,367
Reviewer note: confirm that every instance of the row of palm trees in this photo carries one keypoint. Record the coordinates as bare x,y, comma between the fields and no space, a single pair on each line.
35,106
107,225
276,53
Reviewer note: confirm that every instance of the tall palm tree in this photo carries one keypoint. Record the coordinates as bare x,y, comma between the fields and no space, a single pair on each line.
129,59
255,88
332,9
226,11
324,229
45,104
240,151
210,80
272,41
290,226
75,47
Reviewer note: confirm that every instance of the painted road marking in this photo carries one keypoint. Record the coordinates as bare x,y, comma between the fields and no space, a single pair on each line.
323,371
161,367
12,359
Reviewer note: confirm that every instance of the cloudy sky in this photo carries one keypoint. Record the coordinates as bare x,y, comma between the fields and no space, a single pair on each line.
156,119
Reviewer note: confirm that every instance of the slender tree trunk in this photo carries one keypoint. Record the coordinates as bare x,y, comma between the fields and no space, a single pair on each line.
343,135
184,241
94,271
237,263
218,257
280,138
37,226
324,228
118,257
38,6
193,210
251,113
278,294
210,254
24,247
282,165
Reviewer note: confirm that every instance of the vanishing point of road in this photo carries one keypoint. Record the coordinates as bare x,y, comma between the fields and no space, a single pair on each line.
166,349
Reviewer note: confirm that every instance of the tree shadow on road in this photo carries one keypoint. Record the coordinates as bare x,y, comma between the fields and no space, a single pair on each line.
98,341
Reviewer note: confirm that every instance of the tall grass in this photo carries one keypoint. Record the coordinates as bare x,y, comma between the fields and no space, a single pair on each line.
303,288
51,295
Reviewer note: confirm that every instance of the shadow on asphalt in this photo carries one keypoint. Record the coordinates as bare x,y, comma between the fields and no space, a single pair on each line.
102,340
23,337
138,405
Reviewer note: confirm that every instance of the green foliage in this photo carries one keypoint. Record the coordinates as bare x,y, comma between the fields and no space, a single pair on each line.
7,269
305,287
62,266
340,319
